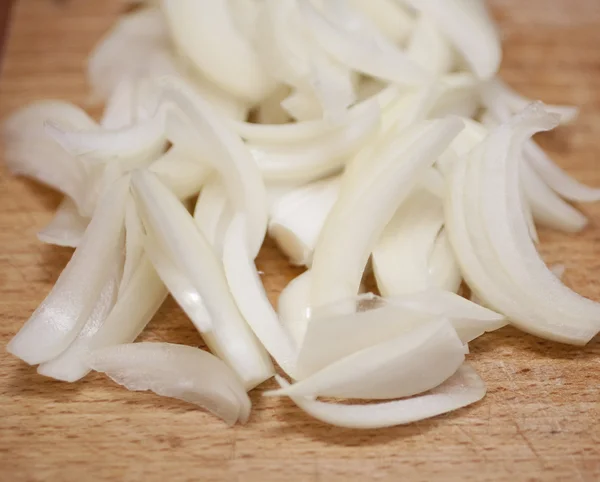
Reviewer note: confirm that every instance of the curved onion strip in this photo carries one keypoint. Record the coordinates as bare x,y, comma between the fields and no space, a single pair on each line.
176,371
291,57
389,16
213,214
298,217
316,159
444,271
230,63
180,287
67,226
134,244
353,42
283,134
507,229
71,365
134,309
367,320
194,124
411,363
60,317
546,207
467,24
360,215
293,306
462,389
251,298
175,230
428,47
401,258
464,225
137,46
180,172
31,152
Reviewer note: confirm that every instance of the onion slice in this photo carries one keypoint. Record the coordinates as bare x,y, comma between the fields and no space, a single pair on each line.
60,317
175,231
176,371
411,363
463,388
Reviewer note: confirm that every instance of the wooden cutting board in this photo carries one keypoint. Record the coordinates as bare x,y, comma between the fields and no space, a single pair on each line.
539,421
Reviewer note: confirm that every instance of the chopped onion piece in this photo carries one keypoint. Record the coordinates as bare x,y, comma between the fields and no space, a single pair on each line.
360,214
213,213
297,218
121,107
231,62
175,231
293,306
443,267
251,298
67,226
71,365
429,48
60,317
467,24
389,16
462,389
411,363
354,42
176,371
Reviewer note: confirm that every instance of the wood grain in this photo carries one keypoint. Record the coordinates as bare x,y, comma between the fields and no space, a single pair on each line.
539,421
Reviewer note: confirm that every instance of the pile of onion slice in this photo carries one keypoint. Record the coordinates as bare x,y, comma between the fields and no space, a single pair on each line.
364,137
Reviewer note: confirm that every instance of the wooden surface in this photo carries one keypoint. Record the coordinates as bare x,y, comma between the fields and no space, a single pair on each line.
539,421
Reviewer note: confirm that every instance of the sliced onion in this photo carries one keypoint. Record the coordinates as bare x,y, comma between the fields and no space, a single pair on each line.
175,231
389,16
360,215
60,317
67,226
213,213
429,48
467,24
176,371
251,298
231,62
293,306
518,285
354,42
401,259
297,218
121,107
71,365
443,267
319,158
462,389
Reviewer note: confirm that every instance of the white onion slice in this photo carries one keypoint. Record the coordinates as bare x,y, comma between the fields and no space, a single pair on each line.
31,152
443,267
175,231
134,244
463,388
401,259
67,226
293,306
60,317
121,107
360,214
176,371
467,24
343,328
181,172
429,48
297,218
354,42
413,362
320,157
71,365
213,213
519,285
389,16
230,62
251,298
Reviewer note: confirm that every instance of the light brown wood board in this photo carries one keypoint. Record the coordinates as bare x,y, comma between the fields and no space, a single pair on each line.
539,420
